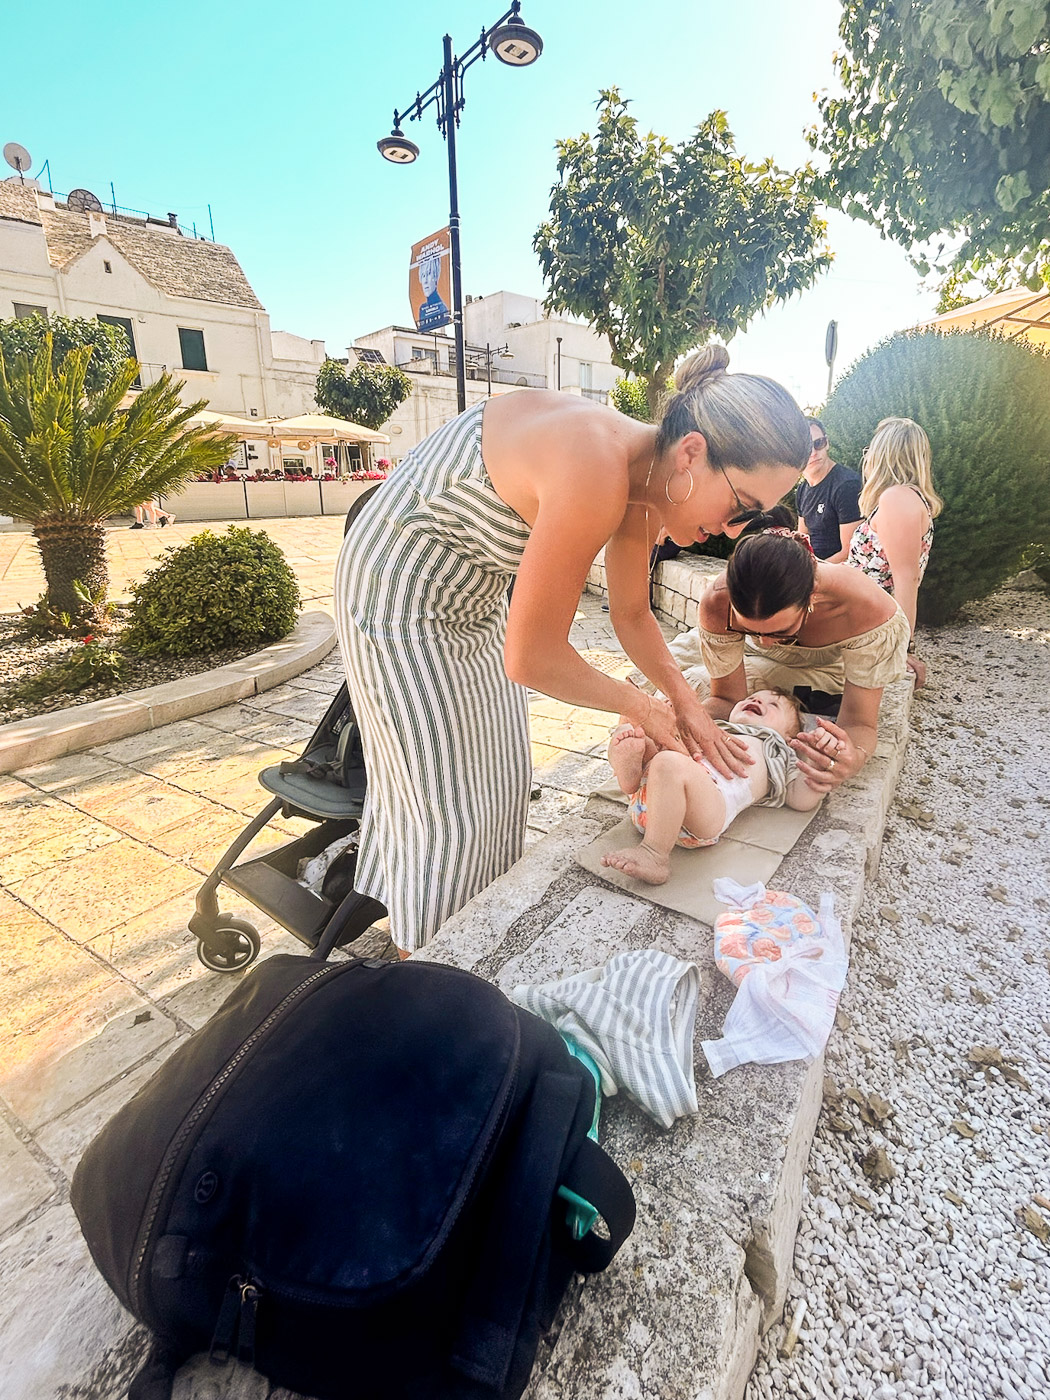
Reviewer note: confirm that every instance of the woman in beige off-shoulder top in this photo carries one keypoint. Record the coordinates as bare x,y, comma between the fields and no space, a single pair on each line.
779,616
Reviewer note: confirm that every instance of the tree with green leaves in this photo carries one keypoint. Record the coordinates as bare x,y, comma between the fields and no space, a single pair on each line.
108,346
628,396
366,395
985,404
661,247
71,456
943,129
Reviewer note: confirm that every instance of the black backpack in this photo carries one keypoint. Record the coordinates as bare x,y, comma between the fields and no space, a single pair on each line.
364,1178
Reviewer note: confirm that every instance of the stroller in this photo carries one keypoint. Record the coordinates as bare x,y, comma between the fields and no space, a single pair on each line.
326,786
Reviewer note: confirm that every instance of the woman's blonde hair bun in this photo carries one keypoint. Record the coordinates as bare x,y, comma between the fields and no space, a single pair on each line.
701,365
748,421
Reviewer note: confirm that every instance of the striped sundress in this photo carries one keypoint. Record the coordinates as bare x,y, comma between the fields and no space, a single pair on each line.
421,610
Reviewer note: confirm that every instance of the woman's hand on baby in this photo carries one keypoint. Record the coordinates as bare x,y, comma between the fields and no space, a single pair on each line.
703,739
661,725
826,755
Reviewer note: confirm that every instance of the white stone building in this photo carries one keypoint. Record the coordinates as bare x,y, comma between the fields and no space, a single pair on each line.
545,352
184,303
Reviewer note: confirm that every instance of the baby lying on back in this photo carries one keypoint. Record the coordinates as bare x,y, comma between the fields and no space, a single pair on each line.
676,800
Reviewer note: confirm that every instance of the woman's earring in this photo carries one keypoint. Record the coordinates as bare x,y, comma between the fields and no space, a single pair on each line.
667,488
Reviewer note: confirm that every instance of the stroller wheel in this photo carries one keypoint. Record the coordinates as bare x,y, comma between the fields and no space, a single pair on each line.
230,946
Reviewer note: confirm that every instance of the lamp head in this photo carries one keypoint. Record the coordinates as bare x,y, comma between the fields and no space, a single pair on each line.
397,147
515,43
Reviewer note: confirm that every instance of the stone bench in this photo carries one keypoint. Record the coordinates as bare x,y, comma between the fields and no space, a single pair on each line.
680,1313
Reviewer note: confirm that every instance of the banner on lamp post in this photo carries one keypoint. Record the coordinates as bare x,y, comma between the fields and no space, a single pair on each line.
430,281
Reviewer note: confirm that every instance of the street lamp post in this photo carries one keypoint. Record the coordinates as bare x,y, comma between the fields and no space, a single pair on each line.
490,352
513,43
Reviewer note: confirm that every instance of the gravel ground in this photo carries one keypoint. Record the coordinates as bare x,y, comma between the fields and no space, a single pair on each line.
22,657
924,1244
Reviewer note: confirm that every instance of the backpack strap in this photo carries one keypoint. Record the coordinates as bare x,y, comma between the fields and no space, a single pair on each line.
155,1378
595,1176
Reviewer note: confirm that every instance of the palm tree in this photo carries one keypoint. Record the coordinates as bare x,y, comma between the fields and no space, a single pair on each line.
70,458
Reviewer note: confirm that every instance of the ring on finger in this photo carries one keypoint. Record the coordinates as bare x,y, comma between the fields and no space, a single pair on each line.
831,764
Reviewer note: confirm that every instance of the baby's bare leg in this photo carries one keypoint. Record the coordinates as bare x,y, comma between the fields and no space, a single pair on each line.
630,749
679,792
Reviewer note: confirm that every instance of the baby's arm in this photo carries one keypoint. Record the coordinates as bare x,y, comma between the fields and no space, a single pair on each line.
800,796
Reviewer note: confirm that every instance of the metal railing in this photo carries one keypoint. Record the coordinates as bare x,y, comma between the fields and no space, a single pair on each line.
148,374
598,395
479,374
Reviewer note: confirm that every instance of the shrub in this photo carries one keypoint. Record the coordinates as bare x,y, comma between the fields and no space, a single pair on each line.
985,403
216,591
90,664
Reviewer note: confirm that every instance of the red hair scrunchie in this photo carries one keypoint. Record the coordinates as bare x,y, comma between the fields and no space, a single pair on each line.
795,535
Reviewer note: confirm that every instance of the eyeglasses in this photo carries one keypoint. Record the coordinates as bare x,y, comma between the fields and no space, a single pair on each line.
786,639
819,444
745,515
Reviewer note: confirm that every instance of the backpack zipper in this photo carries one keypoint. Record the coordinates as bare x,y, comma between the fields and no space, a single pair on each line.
136,1289
235,1326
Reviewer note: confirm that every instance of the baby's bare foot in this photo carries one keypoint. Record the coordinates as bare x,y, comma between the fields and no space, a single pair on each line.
626,754
642,862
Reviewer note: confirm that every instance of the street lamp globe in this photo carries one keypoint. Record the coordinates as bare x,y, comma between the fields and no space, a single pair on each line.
515,43
398,148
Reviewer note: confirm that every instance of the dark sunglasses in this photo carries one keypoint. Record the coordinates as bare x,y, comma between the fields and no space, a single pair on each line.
761,519
786,639
819,443
745,515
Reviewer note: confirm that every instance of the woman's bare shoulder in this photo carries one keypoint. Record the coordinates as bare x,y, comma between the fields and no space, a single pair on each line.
564,422
902,503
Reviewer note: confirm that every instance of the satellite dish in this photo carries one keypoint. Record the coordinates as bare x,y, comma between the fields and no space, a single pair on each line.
17,157
84,200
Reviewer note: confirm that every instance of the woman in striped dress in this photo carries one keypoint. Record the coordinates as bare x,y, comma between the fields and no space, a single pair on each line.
529,487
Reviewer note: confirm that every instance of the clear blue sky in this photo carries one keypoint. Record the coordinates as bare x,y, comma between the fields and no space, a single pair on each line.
270,112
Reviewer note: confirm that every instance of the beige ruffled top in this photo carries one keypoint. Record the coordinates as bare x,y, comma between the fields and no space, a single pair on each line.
870,660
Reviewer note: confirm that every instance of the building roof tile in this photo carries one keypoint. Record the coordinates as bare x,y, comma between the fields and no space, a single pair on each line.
179,266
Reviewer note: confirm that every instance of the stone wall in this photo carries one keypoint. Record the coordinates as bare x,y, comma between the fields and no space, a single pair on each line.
678,585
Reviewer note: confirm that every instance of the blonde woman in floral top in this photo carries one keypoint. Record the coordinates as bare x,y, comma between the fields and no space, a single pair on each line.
892,542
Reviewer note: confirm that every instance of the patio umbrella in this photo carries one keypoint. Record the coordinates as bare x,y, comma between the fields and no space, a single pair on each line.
320,427
244,428
1013,314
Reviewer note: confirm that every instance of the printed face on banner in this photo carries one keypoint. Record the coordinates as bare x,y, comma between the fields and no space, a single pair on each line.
430,281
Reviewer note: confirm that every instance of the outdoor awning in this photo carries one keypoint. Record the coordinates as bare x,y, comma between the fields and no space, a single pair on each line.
244,428
319,427
1013,314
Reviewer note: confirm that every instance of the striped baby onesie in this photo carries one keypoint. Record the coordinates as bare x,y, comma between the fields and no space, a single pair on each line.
421,611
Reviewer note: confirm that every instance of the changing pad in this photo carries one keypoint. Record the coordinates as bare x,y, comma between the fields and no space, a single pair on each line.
751,850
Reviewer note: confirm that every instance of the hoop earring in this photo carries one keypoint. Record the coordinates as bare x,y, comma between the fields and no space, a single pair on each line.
667,488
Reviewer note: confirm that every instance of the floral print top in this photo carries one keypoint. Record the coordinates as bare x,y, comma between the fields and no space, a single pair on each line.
867,554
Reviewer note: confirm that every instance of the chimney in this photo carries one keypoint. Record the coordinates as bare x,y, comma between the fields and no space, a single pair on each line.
173,219
96,223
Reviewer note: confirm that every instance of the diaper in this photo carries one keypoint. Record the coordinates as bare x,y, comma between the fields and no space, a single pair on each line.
746,937
736,792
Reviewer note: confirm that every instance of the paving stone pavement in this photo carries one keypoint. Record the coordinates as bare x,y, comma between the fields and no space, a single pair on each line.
101,854
310,544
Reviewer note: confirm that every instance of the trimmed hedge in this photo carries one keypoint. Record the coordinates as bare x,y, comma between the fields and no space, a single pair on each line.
217,591
985,403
